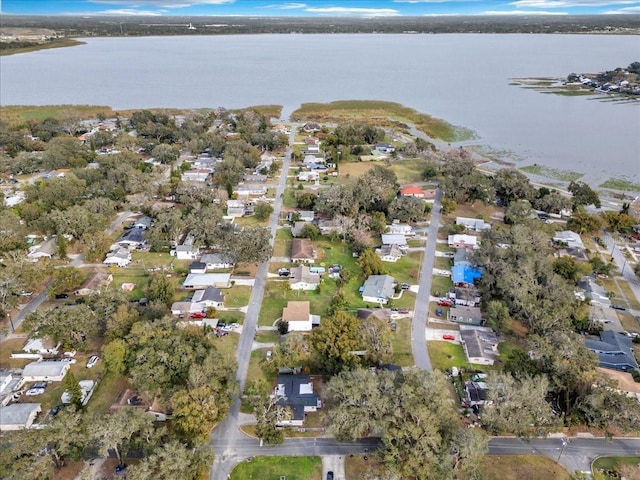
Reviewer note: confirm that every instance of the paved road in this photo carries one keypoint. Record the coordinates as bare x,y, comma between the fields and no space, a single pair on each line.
621,262
226,436
421,312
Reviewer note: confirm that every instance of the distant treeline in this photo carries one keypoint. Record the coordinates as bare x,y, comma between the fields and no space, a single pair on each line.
144,26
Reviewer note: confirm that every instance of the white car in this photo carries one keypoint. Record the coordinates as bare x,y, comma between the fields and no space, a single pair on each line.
34,391
92,361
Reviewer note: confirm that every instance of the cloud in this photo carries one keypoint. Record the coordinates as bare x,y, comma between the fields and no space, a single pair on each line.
570,3
162,3
367,12
520,12
121,12
286,6
625,10
435,1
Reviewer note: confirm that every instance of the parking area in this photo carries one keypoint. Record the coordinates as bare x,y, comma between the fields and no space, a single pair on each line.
334,464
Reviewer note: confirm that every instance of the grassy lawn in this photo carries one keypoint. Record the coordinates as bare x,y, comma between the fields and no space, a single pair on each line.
445,355
407,269
282,244
629,322
442,263
289,198
258,369
275,468
237,296
268,336
612,464
523,467
628,294
7,348
227,345
440,285
408,171
137,276
230,317
401,341
355,467
276,298
106,393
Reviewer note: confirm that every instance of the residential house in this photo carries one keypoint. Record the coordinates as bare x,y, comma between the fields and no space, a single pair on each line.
378,289
394,239
218,260
476,394
465,275
327,226
198,267
569,238
46,249
463,241
131,239
45,371
298,228
614,350
312,146
185,252
597,294
235,208
251,190
18,416
302,215
298,316
480,344
209,297
186,308
310,161
463,256
311,127
255,178
301,278
302,250
385,148
400,229
311,176
389,253
120,257
197,281
465,296
9,384
281,128
412,191
296,392
196,175
475,224
143,223
95,283
465,315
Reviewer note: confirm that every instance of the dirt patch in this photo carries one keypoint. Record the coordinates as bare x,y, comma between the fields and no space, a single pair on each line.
624,379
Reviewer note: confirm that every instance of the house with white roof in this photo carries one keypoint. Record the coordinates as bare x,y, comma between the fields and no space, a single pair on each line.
196,281
196,175
463,241
235,208
394,239
45,371
120,257
46,249
400,229
389,253
475,224
569,238
18,416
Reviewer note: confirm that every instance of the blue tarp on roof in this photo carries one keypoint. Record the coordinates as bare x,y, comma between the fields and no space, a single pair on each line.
465,274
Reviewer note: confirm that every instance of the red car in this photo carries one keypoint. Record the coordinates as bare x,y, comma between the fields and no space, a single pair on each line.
445,302
448,337
198,315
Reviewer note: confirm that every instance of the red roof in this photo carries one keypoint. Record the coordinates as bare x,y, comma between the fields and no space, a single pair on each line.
411,190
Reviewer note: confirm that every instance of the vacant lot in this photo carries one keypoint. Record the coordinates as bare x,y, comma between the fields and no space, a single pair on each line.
523,467
276,468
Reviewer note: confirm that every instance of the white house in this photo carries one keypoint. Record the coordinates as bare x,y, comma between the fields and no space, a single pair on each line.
400,229
394,239
185,252
235,208
475,224
298,316
389,253
18,416
311,176
571,239
196,175
378,288
203,280
120,257
301,278
45,371
463,241
44,250
218,260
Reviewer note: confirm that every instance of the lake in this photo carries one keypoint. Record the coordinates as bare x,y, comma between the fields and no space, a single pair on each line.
462,78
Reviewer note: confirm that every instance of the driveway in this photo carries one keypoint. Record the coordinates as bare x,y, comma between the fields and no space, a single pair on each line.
335,464
438,333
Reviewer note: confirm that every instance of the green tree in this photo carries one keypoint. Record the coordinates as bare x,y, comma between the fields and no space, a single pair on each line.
268,412
567,268
334,341
607,408
72,325
262,211
114,354
518,211
511,184
195,412
370,263
292,353
497,314
173,460
583,195
583,222
376,336
72,386
407,209
310,231
66,279
165,153
159,288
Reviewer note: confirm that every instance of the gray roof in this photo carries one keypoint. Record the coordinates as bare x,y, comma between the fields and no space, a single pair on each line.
17,414
211,294
390,250
132,236
379,286
44,369
614,350
304,275
292,389
462,255
218,258
479,342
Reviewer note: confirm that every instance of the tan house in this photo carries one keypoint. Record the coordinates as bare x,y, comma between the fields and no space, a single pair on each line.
95,283
302,250
298,316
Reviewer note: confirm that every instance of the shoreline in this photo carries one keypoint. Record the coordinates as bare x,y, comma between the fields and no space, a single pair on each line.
62,43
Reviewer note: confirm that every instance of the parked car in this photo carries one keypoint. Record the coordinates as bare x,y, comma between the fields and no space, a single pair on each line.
618,307
61,295
284,272
41,385
404,311
55,410
448,337
34,391
92,361
405,286
394,326
198,315
445,302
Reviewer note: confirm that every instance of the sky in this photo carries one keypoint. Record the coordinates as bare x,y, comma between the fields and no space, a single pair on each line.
319,8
